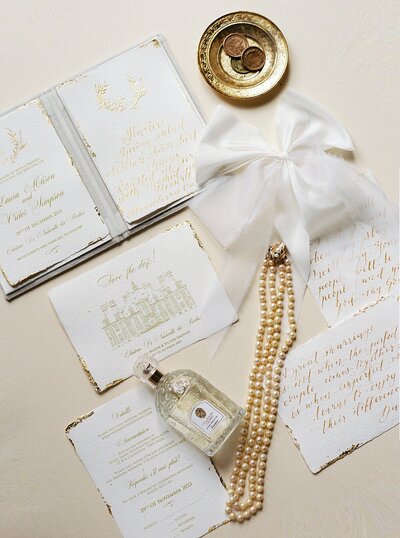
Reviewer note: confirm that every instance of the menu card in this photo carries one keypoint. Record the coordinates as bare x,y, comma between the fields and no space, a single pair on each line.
154,482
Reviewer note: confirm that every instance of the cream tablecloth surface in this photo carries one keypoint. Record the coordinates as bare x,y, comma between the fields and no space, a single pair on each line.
343,54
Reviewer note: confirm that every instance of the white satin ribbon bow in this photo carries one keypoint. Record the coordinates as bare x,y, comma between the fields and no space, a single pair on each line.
253,190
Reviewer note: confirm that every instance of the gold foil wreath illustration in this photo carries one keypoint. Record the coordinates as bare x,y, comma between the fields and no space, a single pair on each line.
17,145
120,104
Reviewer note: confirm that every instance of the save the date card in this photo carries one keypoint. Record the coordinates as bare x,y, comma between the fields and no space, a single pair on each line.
157,299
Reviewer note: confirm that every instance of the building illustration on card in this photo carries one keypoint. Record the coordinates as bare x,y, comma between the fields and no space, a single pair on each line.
145,308
157,298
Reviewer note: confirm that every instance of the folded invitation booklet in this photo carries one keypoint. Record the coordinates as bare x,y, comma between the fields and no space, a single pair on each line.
92,161
47,215
154,482
157,298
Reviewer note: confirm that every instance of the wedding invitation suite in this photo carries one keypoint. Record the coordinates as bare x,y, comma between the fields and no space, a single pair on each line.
341,388
155,299
146,157
358,263
91,162
46,212
154,482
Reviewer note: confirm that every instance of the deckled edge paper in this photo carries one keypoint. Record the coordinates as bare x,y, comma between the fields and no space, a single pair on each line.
124,308
357,263
47,216
152,481
340,389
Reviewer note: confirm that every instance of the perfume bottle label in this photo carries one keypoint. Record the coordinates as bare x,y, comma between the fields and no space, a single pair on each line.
206,417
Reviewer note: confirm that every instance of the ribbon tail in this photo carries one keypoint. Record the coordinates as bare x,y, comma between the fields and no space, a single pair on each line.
302,124
289,226
228,206
240,263
236,277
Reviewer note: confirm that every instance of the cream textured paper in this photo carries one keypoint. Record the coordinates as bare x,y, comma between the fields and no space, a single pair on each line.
157,299
46,214
140,127
154,482
352,67
357,264
340,389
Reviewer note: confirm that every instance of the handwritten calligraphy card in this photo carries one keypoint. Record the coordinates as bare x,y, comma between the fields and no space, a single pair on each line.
358,263
156,298
46,214
154,482
340,389
140,126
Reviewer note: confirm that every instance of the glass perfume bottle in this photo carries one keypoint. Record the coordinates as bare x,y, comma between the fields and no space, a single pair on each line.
191,405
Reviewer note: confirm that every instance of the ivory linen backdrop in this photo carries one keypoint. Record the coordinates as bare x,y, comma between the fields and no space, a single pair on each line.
343,55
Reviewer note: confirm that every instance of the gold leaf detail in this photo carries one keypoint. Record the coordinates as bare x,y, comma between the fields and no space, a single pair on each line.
17,145
120,104
77,421
138,92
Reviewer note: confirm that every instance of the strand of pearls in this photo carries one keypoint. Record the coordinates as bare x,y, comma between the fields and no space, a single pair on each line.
264,385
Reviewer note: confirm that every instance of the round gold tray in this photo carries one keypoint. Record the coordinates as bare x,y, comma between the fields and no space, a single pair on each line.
216,65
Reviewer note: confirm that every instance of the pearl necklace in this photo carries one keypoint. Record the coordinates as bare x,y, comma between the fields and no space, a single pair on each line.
264,386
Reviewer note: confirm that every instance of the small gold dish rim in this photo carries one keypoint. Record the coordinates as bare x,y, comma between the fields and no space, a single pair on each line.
233,90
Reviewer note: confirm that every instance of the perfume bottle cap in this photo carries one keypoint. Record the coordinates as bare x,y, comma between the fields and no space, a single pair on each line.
146,369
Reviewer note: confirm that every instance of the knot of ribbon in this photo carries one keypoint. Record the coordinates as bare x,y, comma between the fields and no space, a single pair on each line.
253,193
283,155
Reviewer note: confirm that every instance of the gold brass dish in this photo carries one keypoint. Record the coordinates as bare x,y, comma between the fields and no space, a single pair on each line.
216,65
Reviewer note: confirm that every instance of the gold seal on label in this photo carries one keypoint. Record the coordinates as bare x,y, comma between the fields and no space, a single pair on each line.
200,412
